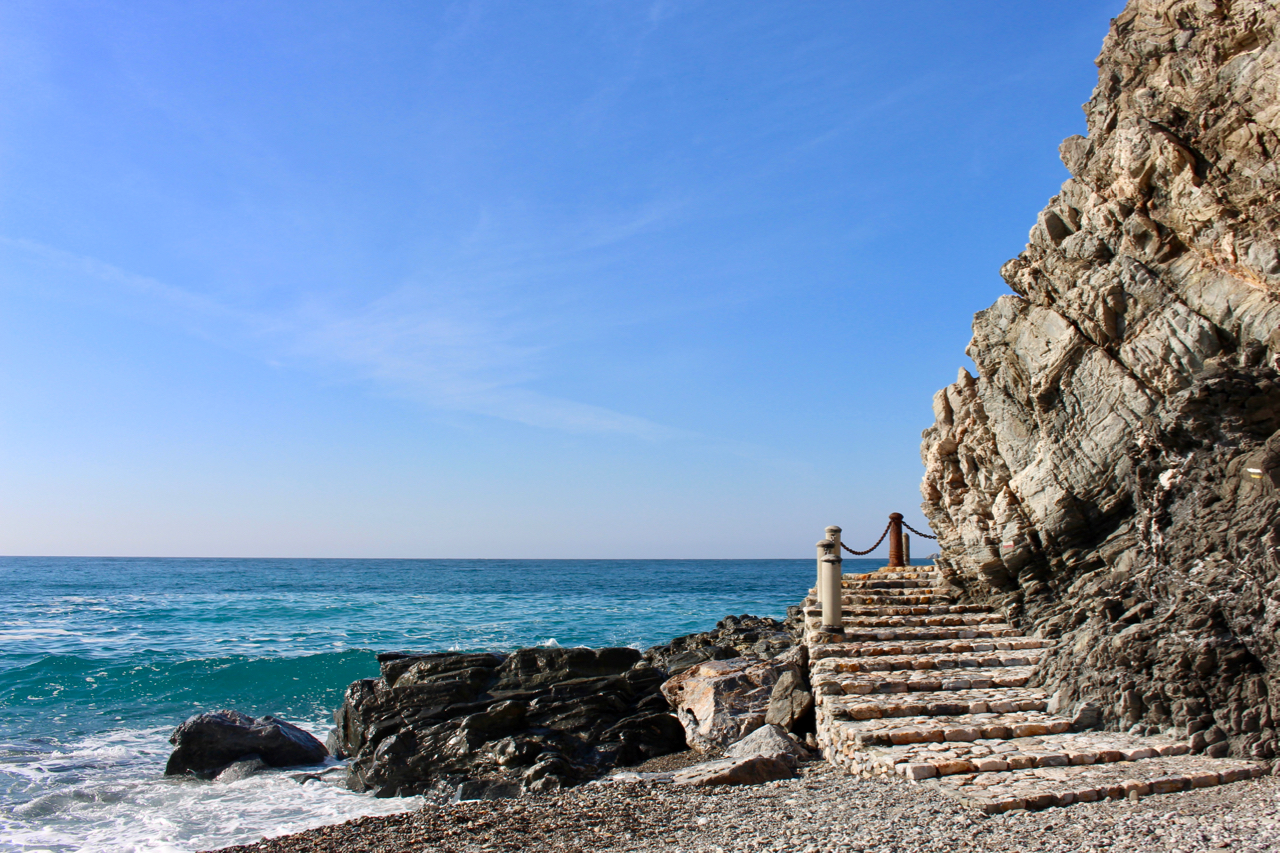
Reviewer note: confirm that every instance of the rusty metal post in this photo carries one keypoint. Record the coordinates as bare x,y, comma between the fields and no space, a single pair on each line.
895,540
906,549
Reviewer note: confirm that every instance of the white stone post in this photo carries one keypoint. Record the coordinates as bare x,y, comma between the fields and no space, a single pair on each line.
832,594
833,536
833,533
825,547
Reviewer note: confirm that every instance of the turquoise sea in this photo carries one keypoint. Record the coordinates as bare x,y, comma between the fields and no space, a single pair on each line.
101,658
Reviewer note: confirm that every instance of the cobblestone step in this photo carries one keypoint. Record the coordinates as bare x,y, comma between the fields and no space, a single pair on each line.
857,634
962,728
929,759
1044,787
834,652
886,574
945,663
883,583
812,608
926,598
853,604
859,610
929,681
941,703
858,616
932,619
939,620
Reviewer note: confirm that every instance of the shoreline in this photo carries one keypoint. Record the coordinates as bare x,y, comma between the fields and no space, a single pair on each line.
822,810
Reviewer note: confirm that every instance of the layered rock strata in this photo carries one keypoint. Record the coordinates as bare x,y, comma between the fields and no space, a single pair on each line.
734,636
1112,474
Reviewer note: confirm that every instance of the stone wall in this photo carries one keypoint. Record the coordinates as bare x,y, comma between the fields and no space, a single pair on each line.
1112,475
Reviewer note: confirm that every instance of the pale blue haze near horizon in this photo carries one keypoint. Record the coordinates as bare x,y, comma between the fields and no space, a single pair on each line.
528,280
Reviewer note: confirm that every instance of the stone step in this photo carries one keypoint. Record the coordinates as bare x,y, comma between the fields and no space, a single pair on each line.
884,583
856,634
943,661
911,621
942,703
929,681
886,574
897,608
939,620
862,616
895,594
909,610
1046,787
897,600
898,731
828,658
923,759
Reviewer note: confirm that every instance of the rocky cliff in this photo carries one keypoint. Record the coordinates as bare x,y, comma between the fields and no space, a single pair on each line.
1112,474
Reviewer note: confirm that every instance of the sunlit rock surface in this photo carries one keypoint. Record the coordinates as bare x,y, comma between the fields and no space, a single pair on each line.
1112,473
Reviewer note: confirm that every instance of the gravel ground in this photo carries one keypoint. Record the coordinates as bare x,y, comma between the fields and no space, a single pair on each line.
823,810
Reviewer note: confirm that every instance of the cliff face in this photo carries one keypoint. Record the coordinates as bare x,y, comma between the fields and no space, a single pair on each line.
1113,474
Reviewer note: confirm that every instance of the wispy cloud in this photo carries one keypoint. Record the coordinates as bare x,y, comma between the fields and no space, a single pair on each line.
447,348
175,298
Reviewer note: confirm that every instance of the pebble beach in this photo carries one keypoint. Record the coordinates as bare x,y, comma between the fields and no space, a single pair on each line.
822,811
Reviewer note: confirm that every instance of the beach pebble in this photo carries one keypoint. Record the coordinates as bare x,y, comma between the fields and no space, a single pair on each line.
821,810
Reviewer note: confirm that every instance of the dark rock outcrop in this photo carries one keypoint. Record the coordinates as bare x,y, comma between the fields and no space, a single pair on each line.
733,637
207,743
1112,475
535,720
241,768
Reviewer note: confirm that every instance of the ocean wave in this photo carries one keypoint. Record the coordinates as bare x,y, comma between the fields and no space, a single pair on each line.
156,688
107,792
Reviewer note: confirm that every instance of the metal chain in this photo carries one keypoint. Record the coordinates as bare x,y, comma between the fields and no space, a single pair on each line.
918,533
873,547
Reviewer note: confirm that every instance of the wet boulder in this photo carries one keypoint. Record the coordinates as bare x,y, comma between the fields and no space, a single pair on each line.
241,768
207,743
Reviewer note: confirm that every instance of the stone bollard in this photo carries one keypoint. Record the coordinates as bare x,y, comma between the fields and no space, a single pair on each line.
906,549
825,548
829,586
833,533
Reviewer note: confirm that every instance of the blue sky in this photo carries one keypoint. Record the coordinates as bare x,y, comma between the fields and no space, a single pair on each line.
508,279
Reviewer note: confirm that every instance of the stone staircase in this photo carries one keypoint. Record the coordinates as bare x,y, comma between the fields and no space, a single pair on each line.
921,688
